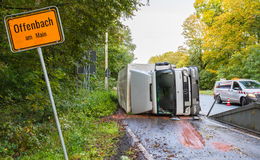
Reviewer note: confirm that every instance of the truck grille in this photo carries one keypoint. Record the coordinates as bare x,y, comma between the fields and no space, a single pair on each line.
185,91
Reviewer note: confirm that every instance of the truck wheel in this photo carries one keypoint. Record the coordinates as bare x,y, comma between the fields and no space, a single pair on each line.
243,101
219,101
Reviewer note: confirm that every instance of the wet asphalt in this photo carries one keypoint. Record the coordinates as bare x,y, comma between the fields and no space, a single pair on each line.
206,102
188,139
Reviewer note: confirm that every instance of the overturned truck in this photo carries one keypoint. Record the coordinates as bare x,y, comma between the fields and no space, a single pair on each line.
159,89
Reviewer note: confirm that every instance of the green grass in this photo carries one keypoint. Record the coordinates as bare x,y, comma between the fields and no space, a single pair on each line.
86,135
206,92
91,140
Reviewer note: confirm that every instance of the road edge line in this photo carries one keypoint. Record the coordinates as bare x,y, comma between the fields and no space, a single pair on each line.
136,141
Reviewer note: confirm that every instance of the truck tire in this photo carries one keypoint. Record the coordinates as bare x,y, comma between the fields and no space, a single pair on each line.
218,99
243,101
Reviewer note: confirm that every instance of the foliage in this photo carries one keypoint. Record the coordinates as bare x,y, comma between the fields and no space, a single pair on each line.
179,58
252,62
85,135
231,31
85,23
120,52
193,33
223,39
207,79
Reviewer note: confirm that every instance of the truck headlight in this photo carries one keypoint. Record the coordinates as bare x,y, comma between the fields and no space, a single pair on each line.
251,95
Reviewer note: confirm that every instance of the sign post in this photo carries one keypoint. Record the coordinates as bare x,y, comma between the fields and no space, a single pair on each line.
52,102
35,29
106,59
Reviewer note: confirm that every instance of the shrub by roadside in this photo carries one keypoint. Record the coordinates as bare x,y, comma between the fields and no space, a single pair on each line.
86,137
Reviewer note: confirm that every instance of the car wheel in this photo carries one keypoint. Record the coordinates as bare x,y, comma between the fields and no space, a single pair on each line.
243,101
218,99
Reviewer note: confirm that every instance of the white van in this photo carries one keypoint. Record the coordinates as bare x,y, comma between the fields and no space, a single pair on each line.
242,91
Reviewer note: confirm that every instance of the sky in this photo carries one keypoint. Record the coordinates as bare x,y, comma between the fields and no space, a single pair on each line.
157,28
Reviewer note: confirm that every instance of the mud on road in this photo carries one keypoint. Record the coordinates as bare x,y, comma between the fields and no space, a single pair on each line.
188,139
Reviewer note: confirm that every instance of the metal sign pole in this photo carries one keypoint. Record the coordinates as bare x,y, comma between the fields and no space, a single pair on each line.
52,102
211,107
106,60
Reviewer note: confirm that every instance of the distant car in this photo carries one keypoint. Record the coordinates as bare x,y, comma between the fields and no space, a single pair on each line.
242,91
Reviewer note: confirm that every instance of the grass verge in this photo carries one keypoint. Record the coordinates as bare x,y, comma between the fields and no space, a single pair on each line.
206,92
86,136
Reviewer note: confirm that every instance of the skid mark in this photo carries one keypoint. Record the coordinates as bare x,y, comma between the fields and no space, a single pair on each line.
222,146
190,137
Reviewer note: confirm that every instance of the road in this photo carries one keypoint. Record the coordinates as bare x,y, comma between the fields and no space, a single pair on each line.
188,139
206,102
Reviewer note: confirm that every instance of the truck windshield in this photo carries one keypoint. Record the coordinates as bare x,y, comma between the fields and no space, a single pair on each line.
250,84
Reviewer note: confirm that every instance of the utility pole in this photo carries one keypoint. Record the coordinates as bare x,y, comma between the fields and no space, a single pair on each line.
106,61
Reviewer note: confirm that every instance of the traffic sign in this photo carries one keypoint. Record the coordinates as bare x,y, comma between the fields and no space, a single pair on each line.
34,29
107,73
93,56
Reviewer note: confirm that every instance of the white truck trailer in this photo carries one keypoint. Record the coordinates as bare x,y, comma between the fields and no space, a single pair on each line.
159,89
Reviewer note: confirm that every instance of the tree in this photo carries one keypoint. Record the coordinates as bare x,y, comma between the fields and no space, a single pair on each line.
85,23
252,63
179,58
232,27
193,33
230,32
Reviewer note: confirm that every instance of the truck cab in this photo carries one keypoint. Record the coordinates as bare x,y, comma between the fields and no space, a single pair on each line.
159,89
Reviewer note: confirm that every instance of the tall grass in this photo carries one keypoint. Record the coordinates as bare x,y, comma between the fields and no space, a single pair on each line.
86,137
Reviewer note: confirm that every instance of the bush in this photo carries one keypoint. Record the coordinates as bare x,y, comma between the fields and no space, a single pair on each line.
207,79
98,102
85,135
